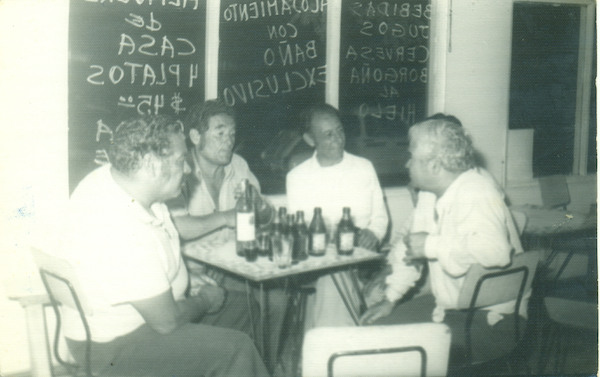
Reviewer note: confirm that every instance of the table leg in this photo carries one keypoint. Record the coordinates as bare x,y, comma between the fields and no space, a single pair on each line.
38,341
344,291
262,304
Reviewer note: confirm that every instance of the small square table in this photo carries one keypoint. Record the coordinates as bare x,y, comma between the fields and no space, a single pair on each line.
222,255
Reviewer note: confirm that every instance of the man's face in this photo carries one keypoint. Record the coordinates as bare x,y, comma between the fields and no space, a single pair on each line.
419,166
328,136
216,143
173,168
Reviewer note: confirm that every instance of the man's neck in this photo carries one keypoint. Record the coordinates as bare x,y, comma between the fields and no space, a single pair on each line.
136,188
208,169
326,161
445,181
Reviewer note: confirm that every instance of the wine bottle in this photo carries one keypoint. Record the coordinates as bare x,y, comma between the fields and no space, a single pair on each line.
245,227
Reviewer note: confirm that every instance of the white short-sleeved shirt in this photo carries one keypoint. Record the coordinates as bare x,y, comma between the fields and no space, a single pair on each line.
122,254
350,183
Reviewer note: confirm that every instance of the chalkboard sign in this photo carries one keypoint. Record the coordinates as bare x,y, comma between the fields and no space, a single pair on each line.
128,58
384,61
271,66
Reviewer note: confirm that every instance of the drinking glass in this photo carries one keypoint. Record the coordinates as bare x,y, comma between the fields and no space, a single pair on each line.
281,248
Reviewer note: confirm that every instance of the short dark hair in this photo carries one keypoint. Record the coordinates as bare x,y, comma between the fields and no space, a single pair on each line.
317,109
201,113
139,136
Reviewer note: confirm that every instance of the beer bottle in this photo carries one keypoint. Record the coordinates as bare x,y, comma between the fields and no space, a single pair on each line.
300,238
318,234
282,219
345,234
289,231
245,228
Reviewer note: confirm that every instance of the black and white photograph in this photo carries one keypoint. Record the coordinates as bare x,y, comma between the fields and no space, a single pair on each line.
298,188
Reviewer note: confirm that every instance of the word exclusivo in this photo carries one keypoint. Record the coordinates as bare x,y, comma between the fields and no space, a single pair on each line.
274,84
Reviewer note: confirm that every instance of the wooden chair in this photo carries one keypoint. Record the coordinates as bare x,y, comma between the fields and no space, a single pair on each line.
484,287
420,349
62,285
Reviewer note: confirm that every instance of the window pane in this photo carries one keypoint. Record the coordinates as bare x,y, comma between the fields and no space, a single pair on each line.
384,58
544,82
271,66
127,59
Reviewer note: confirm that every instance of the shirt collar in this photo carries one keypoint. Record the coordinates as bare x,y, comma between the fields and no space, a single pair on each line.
316,162
135,207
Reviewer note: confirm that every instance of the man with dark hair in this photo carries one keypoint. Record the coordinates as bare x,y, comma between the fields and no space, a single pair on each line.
332,179
125,249
461,219
206,207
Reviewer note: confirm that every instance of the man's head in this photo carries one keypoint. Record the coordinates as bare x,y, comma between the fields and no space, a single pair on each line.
212,131
155,146
323,130
439,149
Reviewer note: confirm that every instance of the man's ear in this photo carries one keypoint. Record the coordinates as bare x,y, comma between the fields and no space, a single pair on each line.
308,139
435,165
195,136
152,165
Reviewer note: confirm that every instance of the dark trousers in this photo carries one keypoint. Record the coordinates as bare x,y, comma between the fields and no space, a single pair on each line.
488,342
213,347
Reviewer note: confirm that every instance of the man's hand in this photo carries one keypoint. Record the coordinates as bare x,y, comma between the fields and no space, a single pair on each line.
214,297
367,239
415,244
229,218
379,310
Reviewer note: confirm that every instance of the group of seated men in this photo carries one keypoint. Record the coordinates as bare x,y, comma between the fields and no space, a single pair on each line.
155,316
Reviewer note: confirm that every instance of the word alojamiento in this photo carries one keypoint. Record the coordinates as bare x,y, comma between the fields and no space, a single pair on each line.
237,12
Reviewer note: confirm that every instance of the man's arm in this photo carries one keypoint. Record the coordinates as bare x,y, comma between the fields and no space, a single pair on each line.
191,227
164,315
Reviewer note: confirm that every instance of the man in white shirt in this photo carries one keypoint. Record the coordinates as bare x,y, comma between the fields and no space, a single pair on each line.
122,243
332,179
460,219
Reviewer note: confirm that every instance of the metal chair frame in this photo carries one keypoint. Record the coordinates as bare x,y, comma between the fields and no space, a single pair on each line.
56,306
473,305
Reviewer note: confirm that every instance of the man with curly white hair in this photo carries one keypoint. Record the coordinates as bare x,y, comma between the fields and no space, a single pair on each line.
460,219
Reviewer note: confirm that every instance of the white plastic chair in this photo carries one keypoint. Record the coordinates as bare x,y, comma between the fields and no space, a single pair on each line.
420,349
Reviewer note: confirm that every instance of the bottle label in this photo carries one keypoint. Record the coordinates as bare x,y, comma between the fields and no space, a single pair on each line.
318,242
245,228
346,241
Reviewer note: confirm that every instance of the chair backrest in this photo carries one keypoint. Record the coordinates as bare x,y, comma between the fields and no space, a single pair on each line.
554,191
63,287
420,349
489,286
58,274
520,221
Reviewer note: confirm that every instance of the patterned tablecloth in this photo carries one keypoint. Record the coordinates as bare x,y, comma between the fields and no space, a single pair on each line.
223,255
